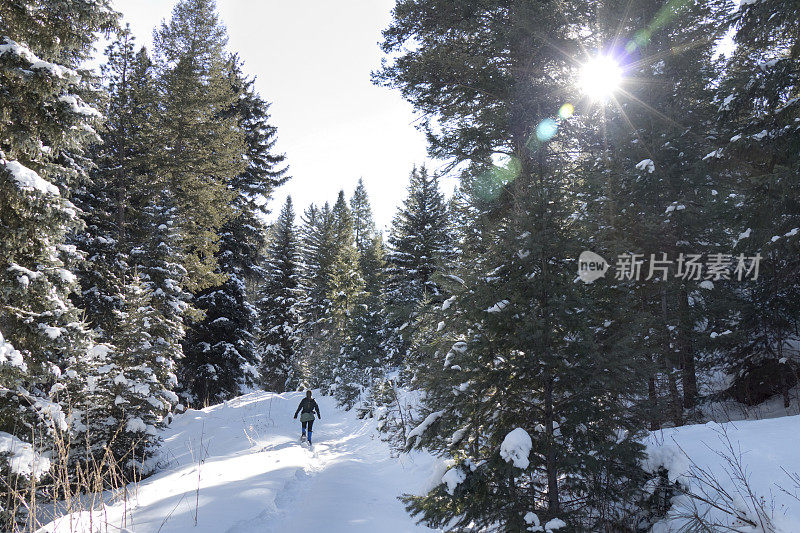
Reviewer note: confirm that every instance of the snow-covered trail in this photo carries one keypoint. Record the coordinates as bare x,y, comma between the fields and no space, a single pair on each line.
238,467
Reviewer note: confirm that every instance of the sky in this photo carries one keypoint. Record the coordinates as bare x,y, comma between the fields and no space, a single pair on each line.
312,59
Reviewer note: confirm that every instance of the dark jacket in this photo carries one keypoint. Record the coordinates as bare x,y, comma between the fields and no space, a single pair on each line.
308,405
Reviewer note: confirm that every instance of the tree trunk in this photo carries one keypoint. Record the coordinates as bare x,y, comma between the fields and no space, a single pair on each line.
655,422
669,368
689,374
553,504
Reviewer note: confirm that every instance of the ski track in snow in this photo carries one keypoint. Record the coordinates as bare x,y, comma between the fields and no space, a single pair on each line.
256,477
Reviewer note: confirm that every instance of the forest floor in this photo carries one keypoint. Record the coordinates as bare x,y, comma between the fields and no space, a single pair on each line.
239,467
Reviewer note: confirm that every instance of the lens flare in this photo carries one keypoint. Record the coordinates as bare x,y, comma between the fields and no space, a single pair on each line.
546,130
566,111
600,77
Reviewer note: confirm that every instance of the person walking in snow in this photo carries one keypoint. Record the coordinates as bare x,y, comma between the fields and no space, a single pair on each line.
307,405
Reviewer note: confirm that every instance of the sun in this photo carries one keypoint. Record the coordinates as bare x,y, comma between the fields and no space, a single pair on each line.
600,77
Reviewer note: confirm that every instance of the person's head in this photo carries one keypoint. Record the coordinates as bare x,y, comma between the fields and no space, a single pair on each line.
308,394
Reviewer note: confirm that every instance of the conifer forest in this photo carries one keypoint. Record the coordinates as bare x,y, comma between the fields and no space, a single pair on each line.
584,315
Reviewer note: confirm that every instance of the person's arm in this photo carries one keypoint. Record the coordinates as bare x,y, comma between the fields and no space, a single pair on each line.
316,406
298,408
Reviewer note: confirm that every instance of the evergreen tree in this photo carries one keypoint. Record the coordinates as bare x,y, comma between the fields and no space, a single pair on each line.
133,394
759,152
157,260
318,252
279,304
222,351
121,182
515,359
656,193
363,224
45,118
346,283
361,362
194,120
419,246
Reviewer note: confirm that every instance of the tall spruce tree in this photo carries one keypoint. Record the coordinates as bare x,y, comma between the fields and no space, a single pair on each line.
363,224
419,246
759,147
346,282
45,123
515,359
362,360
194,120
222,351
133,391
279,304
655,194
113,198
317,251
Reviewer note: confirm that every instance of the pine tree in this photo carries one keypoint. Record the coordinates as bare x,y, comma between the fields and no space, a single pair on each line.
279,304
515,353
45,118
194,120
157,260
222,351
133,395
656,192
121,182
361,362
363,224
318,252
346,283
419,246
759,107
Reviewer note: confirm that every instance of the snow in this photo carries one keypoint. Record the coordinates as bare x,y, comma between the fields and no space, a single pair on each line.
452,478
136,425
78,107
554,524
499,306
240,468
243,465
27,179
531,518
420,429
447,303
23,458
646,164
34,63
10,355
727,102
51,331
768,454
516,448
